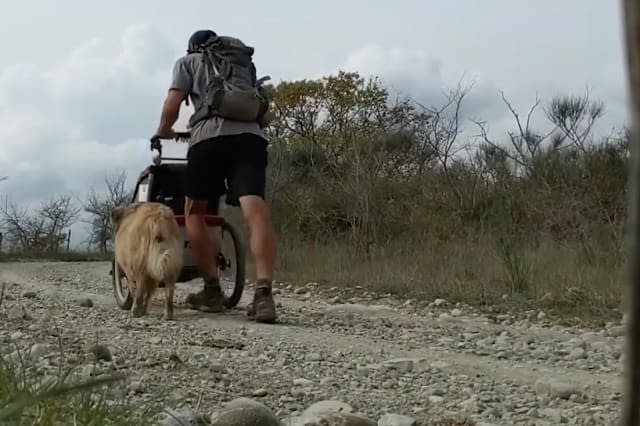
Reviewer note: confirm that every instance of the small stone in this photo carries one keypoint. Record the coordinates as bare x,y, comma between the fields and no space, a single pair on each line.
435,399
456,312
396,420
555,388
439,302
244,411
85,302
403,365
101,352
313,357
444,317
260,392
16,336
302,382
39,350
541,315
300,290
18,312
327,406
336,300
577,353
29,294
184,417
617,331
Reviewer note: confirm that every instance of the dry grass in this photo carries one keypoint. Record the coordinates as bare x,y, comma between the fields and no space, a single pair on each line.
568,280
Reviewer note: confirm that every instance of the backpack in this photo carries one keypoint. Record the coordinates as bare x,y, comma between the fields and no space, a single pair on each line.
233,90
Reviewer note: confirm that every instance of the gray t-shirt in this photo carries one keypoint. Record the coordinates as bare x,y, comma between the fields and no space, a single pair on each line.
189,76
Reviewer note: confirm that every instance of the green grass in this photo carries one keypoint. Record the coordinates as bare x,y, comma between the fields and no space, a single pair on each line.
29,398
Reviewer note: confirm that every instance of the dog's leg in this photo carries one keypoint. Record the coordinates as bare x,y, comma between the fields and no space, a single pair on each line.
139,309
168,301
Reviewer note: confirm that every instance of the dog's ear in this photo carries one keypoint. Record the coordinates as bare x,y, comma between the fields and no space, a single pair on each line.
119,213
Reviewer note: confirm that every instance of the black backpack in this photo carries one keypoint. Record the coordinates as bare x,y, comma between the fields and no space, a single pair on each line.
233,90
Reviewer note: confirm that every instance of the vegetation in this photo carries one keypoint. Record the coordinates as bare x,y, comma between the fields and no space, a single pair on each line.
381,191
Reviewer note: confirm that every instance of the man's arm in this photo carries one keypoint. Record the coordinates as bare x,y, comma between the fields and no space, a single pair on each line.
170,113
181,83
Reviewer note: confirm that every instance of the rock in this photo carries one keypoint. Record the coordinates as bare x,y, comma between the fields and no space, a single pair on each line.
439,302
260,392
403,365
29,294
302,382
39,350
371,311
184,417
85,302
555,388
101,352
435,399
396,420
541,315
245,411
328,406
577,353
16,336
456,312
444,317
617,331
329,419
313,357
18,312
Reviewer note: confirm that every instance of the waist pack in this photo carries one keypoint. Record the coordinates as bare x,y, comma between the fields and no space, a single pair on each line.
233,90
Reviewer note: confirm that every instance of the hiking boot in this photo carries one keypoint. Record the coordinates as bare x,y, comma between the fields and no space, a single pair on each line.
263,308
209,299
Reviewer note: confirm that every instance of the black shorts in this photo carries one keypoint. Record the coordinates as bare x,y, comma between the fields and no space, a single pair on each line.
231,164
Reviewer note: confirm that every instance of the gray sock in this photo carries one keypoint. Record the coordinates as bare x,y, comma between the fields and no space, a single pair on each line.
263,283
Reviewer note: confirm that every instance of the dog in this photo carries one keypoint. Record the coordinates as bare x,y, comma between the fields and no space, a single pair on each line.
149,250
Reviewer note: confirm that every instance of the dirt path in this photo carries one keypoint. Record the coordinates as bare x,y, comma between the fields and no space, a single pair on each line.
391,357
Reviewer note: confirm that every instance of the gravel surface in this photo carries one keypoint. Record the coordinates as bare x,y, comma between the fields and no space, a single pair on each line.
396,362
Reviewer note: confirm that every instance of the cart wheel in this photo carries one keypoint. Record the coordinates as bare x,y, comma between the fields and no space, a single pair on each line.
231,263
124,299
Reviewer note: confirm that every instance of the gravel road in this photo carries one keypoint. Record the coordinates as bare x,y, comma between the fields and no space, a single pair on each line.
374,354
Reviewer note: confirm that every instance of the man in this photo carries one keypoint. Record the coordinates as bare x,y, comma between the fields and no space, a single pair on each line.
221,149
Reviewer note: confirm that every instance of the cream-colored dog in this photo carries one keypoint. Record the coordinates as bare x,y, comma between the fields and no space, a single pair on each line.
148,249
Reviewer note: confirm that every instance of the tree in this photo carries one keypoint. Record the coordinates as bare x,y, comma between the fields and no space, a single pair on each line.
99,207
43,230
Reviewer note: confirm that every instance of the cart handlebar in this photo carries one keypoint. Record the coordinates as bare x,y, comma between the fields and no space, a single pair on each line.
156,141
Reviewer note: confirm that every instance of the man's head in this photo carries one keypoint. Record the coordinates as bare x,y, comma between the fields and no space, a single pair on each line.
199,37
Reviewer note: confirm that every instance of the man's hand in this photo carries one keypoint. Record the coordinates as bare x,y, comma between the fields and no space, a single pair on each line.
170,113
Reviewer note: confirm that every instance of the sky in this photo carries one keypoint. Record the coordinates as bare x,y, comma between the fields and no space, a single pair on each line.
82,83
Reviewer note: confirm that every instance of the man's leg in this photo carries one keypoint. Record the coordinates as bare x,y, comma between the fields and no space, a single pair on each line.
262,239
247,183
203,179
262,243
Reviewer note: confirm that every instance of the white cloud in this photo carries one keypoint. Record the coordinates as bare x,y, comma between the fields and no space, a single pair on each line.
64,127
415,72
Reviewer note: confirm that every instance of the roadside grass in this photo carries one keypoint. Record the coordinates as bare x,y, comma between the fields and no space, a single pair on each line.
579,282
